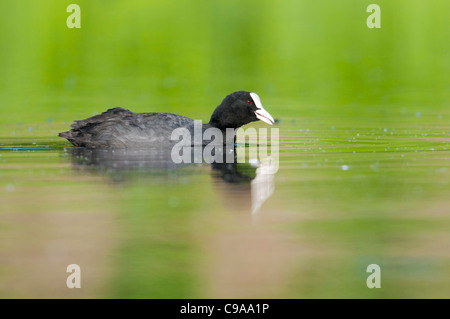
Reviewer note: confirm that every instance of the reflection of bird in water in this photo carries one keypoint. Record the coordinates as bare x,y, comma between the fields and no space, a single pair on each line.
123,160
263,185
248,181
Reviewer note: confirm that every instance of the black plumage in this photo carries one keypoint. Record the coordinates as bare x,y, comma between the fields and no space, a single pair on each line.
121,128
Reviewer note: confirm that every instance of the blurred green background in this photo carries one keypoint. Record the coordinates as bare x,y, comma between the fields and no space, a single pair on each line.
364,149
185,56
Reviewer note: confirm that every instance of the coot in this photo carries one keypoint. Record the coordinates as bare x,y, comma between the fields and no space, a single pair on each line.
121,128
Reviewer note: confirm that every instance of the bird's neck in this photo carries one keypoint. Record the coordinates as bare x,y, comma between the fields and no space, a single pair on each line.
228,134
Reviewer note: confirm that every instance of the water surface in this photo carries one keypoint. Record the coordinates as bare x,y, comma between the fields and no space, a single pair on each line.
343,198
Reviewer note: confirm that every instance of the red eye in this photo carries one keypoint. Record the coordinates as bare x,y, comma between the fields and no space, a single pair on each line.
249,102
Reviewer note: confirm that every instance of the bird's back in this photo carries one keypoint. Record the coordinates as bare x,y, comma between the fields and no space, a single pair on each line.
121,128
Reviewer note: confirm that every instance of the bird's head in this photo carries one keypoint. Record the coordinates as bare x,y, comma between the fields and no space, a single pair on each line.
239,108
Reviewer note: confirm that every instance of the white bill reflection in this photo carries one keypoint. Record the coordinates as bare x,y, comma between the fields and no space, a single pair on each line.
263,184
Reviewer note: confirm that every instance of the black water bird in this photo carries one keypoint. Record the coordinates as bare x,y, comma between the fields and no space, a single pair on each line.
120,128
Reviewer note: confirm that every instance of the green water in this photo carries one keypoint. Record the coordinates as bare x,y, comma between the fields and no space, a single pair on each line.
364,163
